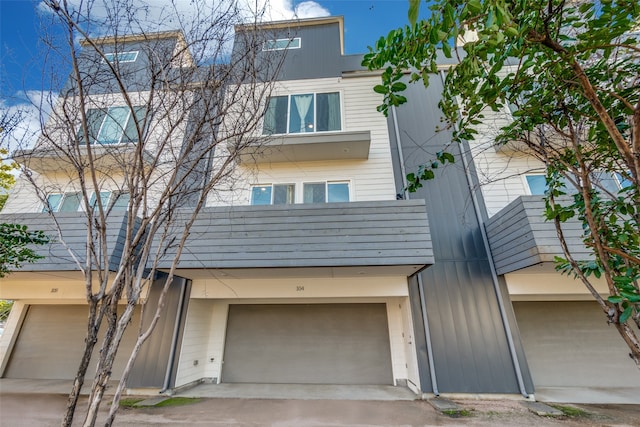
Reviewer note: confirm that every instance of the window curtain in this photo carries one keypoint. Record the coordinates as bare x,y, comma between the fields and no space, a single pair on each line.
314,193
303,106
328,116
334,111
275,116
270,118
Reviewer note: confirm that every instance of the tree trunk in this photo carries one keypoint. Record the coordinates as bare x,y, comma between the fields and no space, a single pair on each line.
78,382
629,336
115,332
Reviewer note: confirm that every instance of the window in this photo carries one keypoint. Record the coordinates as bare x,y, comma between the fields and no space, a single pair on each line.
104,199
120,201
325,192
72,202
67,202
312,112
281,44
622,181
121,56
538,185
276,194
116,125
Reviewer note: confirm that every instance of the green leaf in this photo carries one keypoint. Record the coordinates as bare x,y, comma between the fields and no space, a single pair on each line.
615,299
398,87
414,9
626,314
380,89
474,6
446,49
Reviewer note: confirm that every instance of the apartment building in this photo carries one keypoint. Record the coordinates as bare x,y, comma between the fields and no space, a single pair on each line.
314,266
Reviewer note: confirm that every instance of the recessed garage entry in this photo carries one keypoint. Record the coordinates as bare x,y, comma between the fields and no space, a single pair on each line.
307,344
51,341
565,340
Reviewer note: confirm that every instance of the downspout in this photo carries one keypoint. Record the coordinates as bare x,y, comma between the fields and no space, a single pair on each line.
423,307
494,274
174,338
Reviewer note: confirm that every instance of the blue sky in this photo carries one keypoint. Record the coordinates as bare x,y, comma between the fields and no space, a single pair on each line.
23,56
21,28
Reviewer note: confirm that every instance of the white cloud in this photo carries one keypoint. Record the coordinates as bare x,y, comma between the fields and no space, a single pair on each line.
208,22
159,15
277,10
28,110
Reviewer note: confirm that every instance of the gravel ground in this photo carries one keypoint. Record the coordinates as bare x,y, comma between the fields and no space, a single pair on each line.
45,410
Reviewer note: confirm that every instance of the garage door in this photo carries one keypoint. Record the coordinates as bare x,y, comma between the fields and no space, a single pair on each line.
308,344
51,342
569,344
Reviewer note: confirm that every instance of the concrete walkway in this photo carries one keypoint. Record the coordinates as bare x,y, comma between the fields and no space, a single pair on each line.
590,395
300,391
240,391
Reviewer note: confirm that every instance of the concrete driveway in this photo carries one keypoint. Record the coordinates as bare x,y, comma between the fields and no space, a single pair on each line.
39,410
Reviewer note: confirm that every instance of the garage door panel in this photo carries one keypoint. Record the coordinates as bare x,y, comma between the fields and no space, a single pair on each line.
569,344
308,343
51,341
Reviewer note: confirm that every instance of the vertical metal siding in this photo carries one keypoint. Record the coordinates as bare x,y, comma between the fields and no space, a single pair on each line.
471,352
419,335
319,55
155,359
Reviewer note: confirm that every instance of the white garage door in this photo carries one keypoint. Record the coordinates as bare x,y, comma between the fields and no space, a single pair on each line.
308,344
51,342
569,344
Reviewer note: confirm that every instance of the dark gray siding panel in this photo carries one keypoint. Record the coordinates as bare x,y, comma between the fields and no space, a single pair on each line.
319,55
158,355
74,234
470,346
419,334
154,56
380,233
520,236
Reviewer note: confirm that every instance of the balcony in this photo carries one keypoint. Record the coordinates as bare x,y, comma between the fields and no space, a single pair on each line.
310,146
358,238
74,234
521,238
106,158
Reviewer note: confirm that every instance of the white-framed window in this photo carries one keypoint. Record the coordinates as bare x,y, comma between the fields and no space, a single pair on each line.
121,56
104,199
537,184
281,44
63,202
325,192
273,194
302,113
119,201
114,125
622,181
72,201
